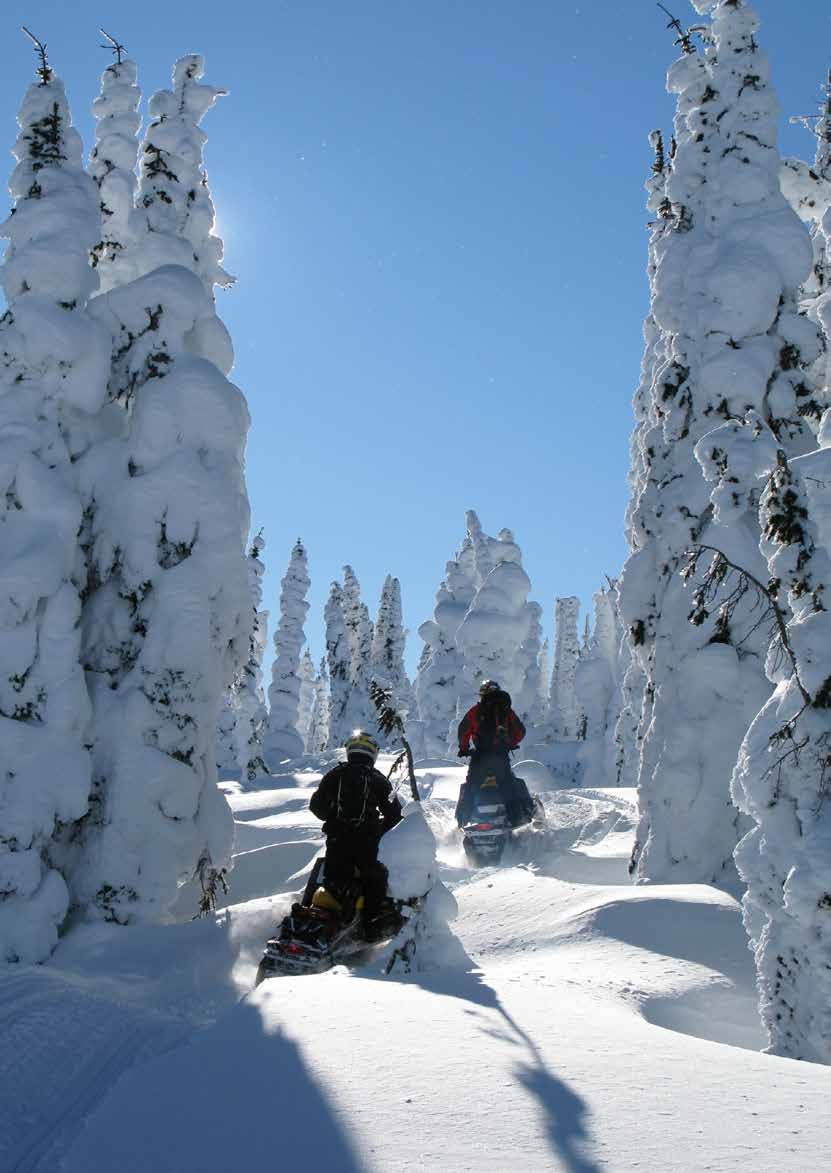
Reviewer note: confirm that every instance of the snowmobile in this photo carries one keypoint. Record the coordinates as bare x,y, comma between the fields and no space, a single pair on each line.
489,830
320,932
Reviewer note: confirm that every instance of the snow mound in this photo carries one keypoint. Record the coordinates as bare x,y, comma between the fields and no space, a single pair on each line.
408,852
703,979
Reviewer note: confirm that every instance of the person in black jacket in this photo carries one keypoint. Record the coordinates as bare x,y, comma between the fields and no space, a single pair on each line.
356,803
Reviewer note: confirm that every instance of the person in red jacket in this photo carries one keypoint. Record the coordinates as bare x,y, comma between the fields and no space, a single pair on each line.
495,730
492,725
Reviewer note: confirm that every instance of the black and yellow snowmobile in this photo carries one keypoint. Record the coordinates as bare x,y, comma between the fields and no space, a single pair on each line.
323,930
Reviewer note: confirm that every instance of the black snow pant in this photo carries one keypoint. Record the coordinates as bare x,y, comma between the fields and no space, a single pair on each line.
347,851
512,791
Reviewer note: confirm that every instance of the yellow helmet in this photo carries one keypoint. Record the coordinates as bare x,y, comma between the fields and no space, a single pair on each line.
362,745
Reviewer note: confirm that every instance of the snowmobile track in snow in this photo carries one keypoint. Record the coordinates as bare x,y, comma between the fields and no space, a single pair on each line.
85,1047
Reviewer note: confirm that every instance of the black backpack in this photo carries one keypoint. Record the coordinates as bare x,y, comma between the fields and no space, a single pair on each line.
494,709
353,800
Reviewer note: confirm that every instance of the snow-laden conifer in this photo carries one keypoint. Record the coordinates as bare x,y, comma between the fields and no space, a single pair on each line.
167,618
319,734
251,708
730,261
339,665
388,642
528,701
227,742
597,687
424,658
807,187
648,446
629,722
563,713
54,363
113,167
307,697
781,778
282,738
782,781
360,711
483,546
497,622
647,440
438,682
544,678
174,197
586,640
481,622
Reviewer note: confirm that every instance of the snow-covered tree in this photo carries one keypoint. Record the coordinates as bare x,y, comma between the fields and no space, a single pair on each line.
388,642
597,688
586,640
647,441
629,727
807,187
483,546
307,697
54,363
781,778
729,263
439,679
167,616
529,700
227,742
497,623
360,711
319,737
563,713
282,739
339,663
647,444
544,678
482,626
177,212
252,712
113,166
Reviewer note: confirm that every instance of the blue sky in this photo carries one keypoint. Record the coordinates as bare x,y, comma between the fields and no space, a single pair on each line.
435,213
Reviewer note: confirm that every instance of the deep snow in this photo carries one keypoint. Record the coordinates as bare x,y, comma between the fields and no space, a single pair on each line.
573,1023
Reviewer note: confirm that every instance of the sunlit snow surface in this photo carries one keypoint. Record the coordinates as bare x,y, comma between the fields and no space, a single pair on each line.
573,1022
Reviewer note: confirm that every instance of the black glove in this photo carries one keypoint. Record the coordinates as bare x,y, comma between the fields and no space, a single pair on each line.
465,753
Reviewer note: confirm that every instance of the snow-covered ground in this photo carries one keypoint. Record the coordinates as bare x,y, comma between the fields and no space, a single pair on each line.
574,1023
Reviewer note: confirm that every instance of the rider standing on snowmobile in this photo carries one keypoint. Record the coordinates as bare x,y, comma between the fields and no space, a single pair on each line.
494,729
357,806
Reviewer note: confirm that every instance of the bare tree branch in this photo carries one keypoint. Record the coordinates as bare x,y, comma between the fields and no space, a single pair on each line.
44,71
113,45
684,38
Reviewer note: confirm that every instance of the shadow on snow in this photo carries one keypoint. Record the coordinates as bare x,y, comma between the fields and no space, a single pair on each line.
566,1114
